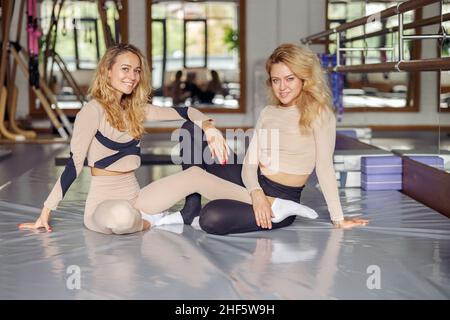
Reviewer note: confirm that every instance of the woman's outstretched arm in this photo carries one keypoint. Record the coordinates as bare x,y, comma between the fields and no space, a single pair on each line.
324,130
85,128
155,113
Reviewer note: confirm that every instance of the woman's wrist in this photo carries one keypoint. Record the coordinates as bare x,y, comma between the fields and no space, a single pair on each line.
257,193
337,223
208,124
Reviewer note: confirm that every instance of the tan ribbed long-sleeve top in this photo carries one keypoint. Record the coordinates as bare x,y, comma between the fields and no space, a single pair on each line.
279,145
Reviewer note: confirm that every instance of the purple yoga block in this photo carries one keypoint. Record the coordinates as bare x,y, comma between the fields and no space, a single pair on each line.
432,161
380,178
381,165
381,186
381,181
348,133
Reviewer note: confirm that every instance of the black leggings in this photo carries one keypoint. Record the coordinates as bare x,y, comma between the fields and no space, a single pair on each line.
226,216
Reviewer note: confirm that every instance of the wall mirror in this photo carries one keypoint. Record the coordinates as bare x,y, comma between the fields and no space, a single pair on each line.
389,91
196,55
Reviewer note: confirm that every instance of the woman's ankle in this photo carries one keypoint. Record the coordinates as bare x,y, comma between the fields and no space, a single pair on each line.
146,225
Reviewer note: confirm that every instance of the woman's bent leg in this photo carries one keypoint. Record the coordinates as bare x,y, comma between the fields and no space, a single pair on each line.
162,194
229,216
109,205
195,152
118,216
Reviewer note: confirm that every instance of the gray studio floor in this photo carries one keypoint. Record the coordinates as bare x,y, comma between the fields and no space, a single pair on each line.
404,253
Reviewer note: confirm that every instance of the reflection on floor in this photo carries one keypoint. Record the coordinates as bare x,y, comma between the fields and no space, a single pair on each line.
404,253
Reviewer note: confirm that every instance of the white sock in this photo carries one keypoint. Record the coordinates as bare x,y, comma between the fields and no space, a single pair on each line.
284,208
153,218
196,224
170,218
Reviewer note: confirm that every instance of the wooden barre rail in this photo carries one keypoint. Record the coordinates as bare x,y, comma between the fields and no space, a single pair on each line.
412,25
409,66
403,7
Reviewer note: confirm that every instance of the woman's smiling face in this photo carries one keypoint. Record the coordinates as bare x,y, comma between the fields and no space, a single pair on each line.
125,73
285,84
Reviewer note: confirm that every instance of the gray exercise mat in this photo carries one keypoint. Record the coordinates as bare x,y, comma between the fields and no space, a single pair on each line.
404,253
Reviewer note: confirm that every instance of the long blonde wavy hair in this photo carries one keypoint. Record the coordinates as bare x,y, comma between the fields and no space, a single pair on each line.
128,113
315,95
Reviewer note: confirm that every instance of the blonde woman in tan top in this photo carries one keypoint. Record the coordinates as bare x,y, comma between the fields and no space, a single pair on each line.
107,131
294,135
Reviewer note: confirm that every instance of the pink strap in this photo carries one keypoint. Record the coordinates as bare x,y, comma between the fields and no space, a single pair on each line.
33,31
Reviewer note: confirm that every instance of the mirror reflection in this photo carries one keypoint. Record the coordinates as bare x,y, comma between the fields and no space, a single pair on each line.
376,91
444,96
444,103
72,43
196,54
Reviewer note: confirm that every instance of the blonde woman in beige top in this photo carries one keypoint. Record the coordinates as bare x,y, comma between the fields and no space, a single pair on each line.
294,135
107,132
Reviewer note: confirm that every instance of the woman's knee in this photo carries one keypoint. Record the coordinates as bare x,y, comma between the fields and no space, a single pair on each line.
212,218
120,216
193,175
195,171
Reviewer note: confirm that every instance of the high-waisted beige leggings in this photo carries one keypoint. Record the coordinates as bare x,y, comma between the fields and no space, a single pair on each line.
109,204
114,203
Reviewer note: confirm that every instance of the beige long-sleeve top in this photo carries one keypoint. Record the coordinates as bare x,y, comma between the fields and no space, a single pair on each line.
105,146
279,145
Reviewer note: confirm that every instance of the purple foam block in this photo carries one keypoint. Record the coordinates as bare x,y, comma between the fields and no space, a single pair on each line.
381,165
432,161
381,181
348,133
381,186
381,178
